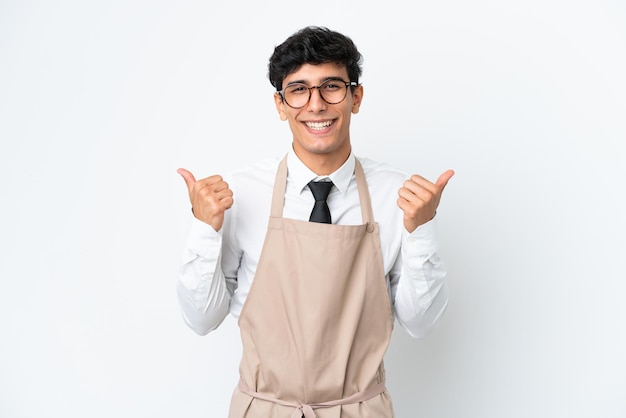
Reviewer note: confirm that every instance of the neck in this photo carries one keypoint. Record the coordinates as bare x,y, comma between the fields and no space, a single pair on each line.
322,164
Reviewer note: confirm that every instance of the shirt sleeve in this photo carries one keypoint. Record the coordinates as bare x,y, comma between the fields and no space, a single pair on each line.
417,281
203,293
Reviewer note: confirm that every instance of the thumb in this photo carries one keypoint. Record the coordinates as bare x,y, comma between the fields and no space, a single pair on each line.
443,179
190,180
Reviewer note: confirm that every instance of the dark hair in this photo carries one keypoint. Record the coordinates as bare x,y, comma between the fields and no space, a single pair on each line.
314,45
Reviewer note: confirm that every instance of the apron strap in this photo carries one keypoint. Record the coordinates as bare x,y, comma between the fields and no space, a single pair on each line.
364,194
280,185
306,410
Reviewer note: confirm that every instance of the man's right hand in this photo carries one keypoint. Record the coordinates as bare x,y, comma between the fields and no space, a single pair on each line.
209,197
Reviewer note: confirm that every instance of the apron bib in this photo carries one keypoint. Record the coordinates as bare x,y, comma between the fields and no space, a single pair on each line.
317,321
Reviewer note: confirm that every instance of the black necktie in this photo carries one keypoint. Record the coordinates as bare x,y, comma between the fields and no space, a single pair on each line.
320,212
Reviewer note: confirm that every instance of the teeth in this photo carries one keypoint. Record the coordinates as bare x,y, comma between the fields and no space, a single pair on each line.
319,125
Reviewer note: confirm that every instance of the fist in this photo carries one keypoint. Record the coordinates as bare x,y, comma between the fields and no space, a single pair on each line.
209,197
419,198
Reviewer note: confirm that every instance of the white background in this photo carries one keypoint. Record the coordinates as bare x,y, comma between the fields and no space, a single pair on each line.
101,102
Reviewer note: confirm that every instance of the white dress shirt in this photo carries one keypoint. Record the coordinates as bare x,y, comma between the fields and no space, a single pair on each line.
218,267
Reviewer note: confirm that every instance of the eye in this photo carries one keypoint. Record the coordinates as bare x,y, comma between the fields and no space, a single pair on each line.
332,85
297,89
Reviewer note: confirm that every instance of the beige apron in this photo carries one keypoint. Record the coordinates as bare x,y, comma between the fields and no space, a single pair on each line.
317,321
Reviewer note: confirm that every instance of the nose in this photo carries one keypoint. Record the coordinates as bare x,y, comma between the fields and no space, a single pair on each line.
316,103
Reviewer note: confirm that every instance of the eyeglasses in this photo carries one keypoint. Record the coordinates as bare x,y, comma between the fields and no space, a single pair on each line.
297,95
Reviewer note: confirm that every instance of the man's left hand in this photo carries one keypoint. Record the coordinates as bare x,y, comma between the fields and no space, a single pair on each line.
419,198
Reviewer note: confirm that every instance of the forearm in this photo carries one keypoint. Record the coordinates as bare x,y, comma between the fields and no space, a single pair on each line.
421,295
202,290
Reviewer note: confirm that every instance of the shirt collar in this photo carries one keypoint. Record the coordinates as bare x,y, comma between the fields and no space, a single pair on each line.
300,175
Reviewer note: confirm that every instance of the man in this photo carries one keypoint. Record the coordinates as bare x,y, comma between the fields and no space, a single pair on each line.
316,297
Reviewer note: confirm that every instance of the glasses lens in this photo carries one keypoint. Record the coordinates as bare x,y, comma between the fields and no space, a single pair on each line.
296,95
333,91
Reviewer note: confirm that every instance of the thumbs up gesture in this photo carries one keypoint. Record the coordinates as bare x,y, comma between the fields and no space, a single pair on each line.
419,198
209,197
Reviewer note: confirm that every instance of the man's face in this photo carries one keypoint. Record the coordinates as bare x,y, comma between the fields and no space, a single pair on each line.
321,131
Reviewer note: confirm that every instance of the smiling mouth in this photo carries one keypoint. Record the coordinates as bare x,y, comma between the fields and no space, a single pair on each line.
318,126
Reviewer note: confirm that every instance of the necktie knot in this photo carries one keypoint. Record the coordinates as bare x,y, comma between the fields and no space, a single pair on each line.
320,189
320,212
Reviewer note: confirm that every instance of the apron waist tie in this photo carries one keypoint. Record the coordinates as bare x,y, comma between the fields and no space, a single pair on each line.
306,410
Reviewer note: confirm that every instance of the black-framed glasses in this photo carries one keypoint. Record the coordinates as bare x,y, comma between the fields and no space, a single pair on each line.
333,91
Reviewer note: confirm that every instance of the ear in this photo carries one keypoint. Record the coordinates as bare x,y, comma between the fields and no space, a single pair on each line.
357,98
280,106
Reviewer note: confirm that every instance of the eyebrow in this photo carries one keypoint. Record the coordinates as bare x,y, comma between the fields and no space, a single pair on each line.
337,78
